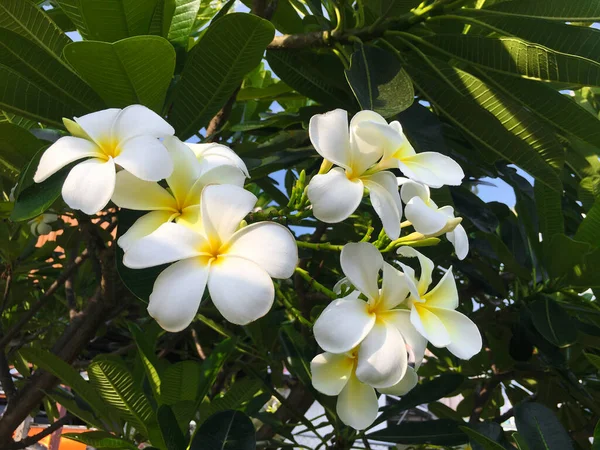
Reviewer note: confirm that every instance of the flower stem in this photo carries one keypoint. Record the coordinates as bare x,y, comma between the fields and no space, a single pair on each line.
315,284
320,246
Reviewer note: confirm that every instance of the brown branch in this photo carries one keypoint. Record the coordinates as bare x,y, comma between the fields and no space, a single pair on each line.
197,344
217,122
484,395
39,436
6,380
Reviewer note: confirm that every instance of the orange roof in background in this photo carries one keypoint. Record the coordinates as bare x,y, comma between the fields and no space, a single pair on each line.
64,444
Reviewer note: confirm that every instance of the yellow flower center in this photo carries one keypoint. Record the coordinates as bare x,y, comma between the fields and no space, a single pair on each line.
110,148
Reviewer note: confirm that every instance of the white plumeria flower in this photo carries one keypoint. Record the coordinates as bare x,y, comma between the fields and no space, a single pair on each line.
357,405
237,266
430,220
213,155
432,312
181,203
113,137
337,194
40,225
431,168
373,325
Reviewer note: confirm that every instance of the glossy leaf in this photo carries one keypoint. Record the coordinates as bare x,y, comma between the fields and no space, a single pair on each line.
589,229
437,432
594,359
227,430
576,10
549,209
571,254
183,19
485,442
100,439
149,359
17,148
540,428
169,428
553,322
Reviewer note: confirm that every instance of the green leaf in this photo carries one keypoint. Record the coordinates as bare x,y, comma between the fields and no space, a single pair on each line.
25,18
182,24
169,428
480,439
553,322
589,228
390,8
134,70
72,8
513,56
255,93
149,359
101,439
180,382
571,255
436,432
596,444
520,441
33,63
115,384
460,97
234,45
540,428
227,430
573,10
319,76
549,210
239,393
17,147
379,82
78,408
6,117
594,359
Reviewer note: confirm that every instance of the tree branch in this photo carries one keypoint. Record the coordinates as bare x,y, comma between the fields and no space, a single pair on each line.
37,437
484,395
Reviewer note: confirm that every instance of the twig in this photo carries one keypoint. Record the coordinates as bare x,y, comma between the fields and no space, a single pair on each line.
315,284
197,344
39,436
484,395
6,380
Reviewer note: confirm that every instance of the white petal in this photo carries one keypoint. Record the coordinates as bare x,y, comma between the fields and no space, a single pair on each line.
329,135
380,136
432,169
345,286
415,342
405,385
64,151
146,158
445,294
430,326
186,169
460,240
240,290
217,175
133,193
365,153
343,325
361,263
144,226
464,335
382,358
357,404
49,218
170,242
223,208
270,245
386,202
90,185
333,196
215,155
43,228
394,289
137,120
410,189
425,220
33,227
331,372
177,294
411,281
98,125
426,267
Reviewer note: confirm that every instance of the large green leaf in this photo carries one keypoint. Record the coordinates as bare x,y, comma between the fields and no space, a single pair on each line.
438,432
134,70
112,20
319,76
571,254
80,409
379,82
183,19
227,430
549,209
540,428
26,19
100,439
553,322
148,357
17,147
589,229
390,8
32,62
72,8
169,428
485,442
234,45
572,10
461,96
6,117
115,384
239,393
513,56
180,382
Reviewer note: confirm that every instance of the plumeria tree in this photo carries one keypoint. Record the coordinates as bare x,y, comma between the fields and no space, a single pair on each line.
300,223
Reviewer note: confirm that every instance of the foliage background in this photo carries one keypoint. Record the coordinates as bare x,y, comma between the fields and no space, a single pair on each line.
496,85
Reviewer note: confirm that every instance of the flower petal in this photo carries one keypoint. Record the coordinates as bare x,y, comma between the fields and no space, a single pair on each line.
425,220
99,125
90,185
49,218
357,404
43,229
133,193
343,324
240,289
385,199
146,158
215,155
137,120
410,189
364,153
223,208
426,267
415,342
270,245
329,135
331,372
430,326
445,294
464,335
177,294
170,242
333,196
382,358
432,169
405,385
361,263
380,136
186,169
144,226
458,237
217,175
64,151
394,289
